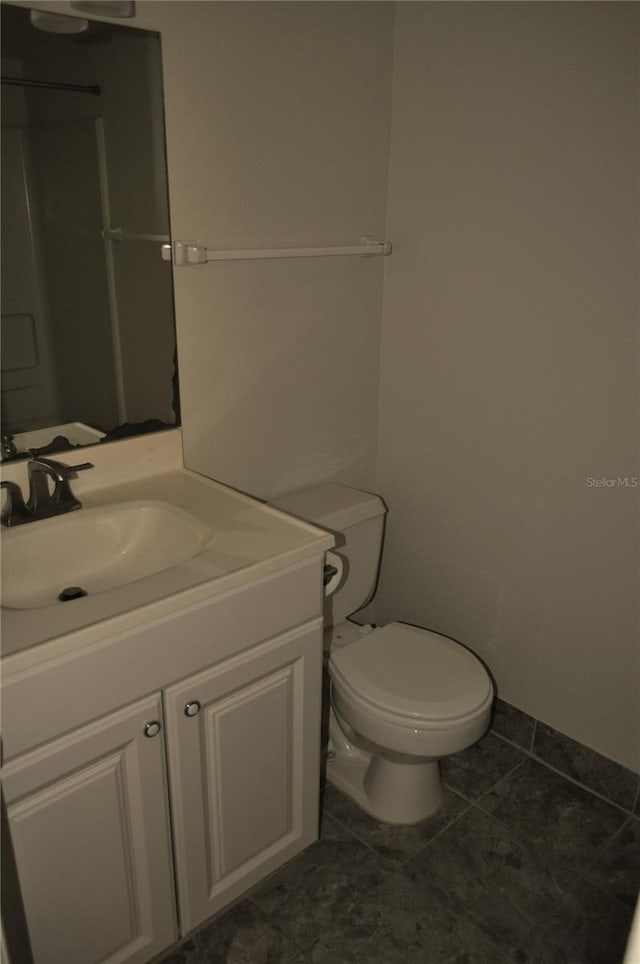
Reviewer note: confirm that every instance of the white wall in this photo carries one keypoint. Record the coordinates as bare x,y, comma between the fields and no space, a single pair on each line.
278,126
510,361
509,371
278,119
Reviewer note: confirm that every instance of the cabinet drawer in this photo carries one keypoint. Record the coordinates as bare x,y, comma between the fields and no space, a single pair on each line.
67,692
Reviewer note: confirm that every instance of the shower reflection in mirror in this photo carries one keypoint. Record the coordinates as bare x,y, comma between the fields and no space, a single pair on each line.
88,334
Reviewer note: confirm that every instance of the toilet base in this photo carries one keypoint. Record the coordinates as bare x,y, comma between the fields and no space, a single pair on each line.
392,788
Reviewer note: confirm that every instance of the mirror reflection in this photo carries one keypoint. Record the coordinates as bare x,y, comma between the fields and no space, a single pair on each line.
88,334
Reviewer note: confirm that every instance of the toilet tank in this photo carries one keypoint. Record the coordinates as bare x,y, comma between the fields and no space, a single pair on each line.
357,519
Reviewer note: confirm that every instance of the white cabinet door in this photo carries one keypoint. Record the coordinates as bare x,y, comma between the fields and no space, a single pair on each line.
243,742
89,822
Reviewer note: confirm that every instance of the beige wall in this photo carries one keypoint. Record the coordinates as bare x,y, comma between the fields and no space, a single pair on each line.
510,363
509,371
277,134
278,120
278,127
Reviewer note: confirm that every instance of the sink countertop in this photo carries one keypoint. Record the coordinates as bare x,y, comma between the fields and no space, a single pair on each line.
250,540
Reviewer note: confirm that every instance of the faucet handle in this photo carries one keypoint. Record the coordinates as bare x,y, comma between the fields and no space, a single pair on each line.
15,511
82,467
59,471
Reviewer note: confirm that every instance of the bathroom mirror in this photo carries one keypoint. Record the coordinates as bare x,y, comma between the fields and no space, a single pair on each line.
88,333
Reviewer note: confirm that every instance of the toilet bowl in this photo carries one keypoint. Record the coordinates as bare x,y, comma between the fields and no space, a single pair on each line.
402,697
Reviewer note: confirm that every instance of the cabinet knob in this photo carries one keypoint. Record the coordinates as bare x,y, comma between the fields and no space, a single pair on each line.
152,728
192,709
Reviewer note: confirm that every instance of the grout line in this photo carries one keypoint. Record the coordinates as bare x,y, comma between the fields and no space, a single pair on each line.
451,789
353,834
402,862
507,773
492,787
505,739
274,923
436,836
523,840
533,756
534,733
604,890
598,885
456,793
601,850
273,919
500,780
582,786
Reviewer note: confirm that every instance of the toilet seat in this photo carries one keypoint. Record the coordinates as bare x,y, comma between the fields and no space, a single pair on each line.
412,677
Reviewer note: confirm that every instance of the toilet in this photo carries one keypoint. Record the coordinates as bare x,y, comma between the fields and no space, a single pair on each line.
402,697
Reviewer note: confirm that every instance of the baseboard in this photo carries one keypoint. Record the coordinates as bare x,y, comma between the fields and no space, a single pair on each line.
579,763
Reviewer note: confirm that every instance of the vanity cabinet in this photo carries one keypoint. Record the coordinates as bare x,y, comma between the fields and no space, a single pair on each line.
243,752
133,828
89,822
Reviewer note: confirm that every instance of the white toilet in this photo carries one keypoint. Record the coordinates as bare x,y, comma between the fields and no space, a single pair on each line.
401,697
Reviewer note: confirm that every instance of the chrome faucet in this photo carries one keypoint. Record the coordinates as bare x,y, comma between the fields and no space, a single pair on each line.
42,503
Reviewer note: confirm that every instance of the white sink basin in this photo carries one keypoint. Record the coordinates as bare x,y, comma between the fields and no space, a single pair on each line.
95,550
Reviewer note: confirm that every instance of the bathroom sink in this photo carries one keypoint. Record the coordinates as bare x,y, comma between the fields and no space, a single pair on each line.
93,550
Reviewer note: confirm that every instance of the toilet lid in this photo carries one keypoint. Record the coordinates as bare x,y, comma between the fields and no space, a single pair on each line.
412,672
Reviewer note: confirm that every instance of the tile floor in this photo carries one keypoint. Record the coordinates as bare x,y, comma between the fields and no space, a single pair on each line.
520,865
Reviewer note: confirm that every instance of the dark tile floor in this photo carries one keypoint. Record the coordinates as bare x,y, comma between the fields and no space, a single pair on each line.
520,865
